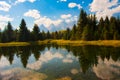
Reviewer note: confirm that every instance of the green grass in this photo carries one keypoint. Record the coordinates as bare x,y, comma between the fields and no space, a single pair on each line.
66,42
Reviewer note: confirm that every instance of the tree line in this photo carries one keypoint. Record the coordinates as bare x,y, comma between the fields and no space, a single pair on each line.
87,28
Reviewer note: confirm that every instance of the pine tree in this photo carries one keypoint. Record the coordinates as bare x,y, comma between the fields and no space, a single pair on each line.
106,35
48,35
68,34
36,32
24,33
100,28
82,21
87,33
73,33
112,27
9,32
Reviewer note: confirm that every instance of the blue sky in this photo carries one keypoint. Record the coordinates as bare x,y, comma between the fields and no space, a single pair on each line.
53,14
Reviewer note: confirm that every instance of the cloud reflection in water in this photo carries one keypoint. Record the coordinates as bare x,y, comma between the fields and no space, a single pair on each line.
107,69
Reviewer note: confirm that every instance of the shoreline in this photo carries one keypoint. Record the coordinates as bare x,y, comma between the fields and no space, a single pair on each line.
114,43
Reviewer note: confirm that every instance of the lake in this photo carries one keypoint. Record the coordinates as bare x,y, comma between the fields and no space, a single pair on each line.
52,62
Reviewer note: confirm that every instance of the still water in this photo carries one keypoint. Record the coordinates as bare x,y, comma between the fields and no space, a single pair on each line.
59,63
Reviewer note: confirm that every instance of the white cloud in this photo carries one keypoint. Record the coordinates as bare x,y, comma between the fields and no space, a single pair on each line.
44,58
74,71
65,16
4,6
73,5
4,20
20,73
32,13
32,1
47,21
65,20
67,60
104,8
21,1
106,68
4,62
61,1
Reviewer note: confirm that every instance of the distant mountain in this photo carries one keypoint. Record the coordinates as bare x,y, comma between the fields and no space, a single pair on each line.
52,28
43,28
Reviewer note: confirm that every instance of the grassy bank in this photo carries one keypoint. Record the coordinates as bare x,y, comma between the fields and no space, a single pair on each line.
66,42
80,43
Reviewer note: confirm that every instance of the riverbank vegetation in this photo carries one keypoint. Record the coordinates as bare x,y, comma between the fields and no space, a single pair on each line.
115,43
86,29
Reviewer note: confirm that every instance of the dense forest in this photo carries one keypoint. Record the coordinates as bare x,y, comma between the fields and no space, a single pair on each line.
87,28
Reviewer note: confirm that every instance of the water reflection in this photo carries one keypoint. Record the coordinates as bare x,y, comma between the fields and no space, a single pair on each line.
23,53
57,62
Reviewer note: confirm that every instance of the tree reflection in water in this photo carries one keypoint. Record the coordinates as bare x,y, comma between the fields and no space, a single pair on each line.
87,55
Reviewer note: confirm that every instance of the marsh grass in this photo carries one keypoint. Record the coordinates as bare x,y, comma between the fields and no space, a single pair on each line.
114,43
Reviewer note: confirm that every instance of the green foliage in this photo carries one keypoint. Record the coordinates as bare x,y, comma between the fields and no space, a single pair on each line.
73,32
87,28
87,33
36,33
8,34
82,21
24,33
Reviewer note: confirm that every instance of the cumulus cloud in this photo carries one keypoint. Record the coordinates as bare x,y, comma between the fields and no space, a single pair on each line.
4,62
67,60
65,16
73,5
32,13
106,68
104,8
4,20
4,6
61,1
65,20
21,74
32,1
47,21
74,71
21,1
44,58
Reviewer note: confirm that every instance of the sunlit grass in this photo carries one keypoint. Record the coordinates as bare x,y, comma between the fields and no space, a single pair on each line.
81,43
66,42
15,44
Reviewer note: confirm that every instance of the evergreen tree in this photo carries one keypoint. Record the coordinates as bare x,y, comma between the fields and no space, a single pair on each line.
9,33
73,33
0,35
82,21
87,33
68,34
106,35
48,35
112,27
43,35
36,32
100,28
24,33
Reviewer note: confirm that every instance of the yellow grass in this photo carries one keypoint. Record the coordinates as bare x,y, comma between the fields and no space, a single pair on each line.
66,42
81,43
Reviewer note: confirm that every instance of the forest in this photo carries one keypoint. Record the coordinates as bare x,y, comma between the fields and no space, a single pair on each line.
88,28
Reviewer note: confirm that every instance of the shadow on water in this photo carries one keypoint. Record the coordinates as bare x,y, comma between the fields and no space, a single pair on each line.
87,55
